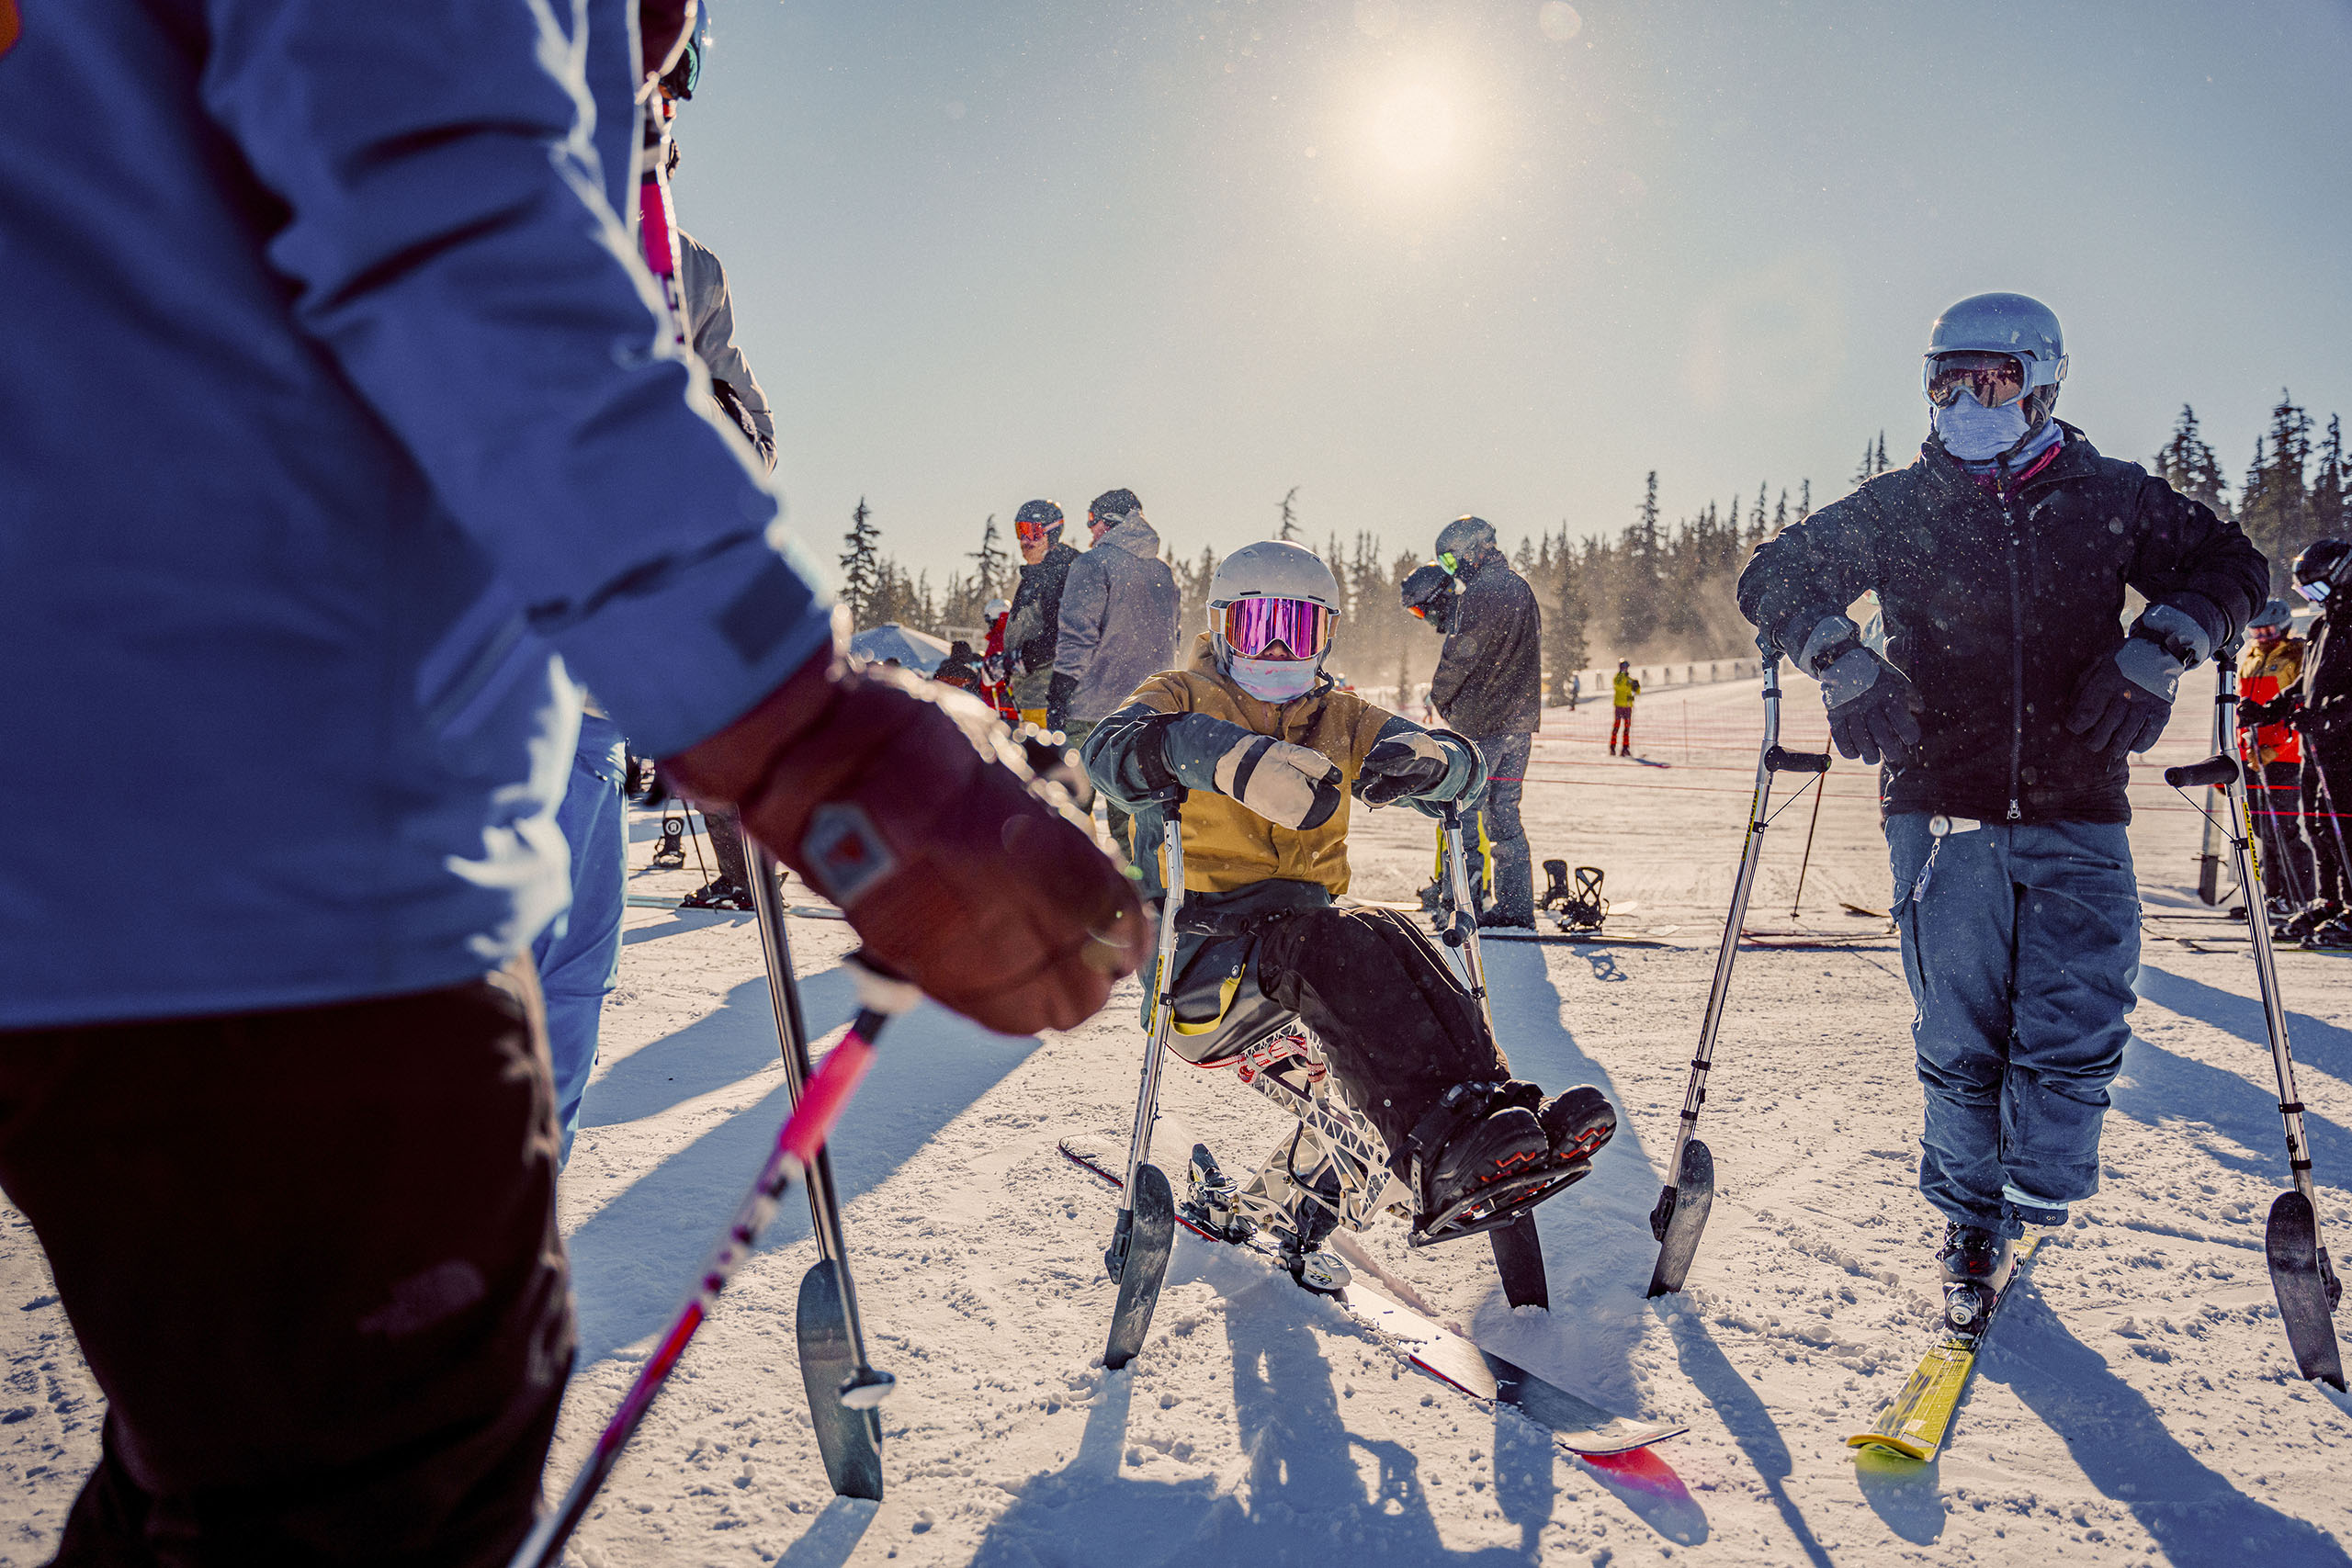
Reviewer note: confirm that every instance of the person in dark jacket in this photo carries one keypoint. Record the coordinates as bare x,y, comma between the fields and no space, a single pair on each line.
1489,686
2318,708
1035,626
2006,707
1117,620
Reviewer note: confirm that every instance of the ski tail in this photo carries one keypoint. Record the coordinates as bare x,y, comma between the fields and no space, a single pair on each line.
2298,1277
1681,1218
850,1441
1151,1236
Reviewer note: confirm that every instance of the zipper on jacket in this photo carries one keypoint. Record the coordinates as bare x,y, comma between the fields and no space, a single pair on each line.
2017,662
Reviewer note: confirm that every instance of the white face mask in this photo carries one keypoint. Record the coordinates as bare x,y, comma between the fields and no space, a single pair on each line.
1974,434
1273,680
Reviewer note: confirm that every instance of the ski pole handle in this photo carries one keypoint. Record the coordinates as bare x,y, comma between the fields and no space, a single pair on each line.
2214,770
880,995
1782,762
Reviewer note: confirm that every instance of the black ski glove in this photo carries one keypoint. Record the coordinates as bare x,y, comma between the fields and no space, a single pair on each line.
1058,692
1874,708
1415,763
2277,710
2122,704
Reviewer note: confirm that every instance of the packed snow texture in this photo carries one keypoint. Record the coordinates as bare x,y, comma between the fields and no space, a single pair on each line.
2137,1403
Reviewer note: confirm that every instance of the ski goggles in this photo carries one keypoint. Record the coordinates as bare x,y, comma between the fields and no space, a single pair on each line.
1030,532
2316,592
1251,626
1995,378
1445,558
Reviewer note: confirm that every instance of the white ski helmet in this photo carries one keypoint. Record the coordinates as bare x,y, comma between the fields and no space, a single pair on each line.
1270,569
2016,324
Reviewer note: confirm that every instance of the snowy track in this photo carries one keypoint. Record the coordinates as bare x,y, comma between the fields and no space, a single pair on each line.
2138,1404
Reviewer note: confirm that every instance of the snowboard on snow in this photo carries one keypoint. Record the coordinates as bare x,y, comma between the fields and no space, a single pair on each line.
1575,1423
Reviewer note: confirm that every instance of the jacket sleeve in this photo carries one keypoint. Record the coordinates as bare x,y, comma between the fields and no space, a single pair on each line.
1810,570
1086,592
711,308
2197,562
1127,755
446,239
1027,623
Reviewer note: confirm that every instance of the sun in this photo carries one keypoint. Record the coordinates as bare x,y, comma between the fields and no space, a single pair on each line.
1415,128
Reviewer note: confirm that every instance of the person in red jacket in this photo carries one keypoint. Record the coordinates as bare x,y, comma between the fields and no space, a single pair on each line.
2272,663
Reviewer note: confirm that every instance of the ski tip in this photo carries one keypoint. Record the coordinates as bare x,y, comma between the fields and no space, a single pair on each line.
1868,1445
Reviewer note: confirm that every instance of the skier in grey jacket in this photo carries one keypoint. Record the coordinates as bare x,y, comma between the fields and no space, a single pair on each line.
1118,623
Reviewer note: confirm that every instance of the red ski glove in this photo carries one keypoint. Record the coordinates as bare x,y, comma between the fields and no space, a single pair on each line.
960,867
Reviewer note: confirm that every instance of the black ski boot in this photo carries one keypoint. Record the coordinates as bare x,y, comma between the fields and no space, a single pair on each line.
2335,933
1976,1263
1579,1122
1472,1140
719,893
2318,912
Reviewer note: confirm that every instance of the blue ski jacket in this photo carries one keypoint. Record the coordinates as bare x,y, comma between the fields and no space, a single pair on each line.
342,439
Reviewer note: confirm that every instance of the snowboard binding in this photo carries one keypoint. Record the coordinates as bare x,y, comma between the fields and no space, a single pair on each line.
1578,909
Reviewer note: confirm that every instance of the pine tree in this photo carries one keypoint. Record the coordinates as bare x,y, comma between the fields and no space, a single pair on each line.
2275,509
2329,482
1805,500
1862,471
1883,465
1780,513
2190,465
991,567
862,579
1289,533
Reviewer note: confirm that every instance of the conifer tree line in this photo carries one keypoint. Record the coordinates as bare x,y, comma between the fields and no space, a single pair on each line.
1652,593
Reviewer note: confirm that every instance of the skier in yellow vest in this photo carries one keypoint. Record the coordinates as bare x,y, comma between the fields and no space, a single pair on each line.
1623,692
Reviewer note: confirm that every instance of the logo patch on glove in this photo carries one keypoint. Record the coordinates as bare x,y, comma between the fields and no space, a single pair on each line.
847,854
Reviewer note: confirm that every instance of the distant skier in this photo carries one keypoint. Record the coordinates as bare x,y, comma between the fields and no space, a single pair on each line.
1270,754
2270,667
995,672
2318,708
1035,626
959,668
2005,709
1118,613
1489,685
1623,691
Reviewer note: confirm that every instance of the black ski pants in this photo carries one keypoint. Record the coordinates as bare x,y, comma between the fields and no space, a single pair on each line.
2325,780
1399,1028
311,1258
2277,804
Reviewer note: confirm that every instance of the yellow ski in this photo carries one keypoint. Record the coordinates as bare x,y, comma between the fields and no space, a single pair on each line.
1915,1424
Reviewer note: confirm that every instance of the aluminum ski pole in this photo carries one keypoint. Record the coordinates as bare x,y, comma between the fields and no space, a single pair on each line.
2300,1274
1137,1255
843,1388
1682,1204
797,1144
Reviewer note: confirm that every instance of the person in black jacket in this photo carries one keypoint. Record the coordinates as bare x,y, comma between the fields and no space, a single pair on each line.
1035,628
1489,686
2318,705
2005,710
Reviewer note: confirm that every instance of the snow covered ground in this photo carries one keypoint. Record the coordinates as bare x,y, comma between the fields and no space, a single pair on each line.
2137,1405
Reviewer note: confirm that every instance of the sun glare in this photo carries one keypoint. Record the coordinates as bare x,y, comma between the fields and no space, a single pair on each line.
1415,129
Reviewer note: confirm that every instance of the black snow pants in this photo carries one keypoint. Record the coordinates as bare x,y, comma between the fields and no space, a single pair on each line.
2277,804
1399,1028
311,1258
2322,784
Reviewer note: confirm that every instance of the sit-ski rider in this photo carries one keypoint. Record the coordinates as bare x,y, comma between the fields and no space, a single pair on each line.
1268,751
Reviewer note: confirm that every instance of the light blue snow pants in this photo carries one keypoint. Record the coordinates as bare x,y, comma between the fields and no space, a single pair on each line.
2020,953
579,957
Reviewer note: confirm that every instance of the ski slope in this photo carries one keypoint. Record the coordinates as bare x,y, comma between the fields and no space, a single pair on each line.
2136,1404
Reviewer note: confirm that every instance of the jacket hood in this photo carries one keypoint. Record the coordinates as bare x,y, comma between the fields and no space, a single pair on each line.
1136,537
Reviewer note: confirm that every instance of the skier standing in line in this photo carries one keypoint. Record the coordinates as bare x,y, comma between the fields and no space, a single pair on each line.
1269,752
2005,710
1036,625
1117,621
1489,686
2270,666
1623,689
415,454
2318,708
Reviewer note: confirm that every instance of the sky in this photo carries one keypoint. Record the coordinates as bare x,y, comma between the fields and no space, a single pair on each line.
1423,257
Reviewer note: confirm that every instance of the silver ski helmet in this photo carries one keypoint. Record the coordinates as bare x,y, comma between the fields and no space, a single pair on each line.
2015,325
1270,592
